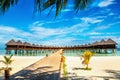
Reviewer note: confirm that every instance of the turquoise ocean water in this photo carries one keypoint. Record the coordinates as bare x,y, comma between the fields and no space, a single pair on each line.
67,53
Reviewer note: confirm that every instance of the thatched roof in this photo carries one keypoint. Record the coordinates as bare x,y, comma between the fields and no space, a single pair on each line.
95,43
85,45
37,45
19,42
33,45
11,42
110,41
27,44
102,42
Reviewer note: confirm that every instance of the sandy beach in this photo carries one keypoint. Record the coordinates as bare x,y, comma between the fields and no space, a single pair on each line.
102,67
21,62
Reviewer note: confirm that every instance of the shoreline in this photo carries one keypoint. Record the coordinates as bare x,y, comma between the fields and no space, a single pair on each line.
101,65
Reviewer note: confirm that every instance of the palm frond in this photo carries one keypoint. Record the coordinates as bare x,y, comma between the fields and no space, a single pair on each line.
6,4
6,58
41,5
48,4
81,4
65,3
10,57
37,6
58,7
10,61
50,10
3,62
14,2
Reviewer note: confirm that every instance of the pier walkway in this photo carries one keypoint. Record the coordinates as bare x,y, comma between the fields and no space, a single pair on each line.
47,68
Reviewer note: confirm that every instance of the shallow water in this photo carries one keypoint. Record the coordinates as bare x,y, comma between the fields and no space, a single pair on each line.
66,53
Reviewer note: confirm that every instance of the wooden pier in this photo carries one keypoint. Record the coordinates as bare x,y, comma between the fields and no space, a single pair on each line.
19,47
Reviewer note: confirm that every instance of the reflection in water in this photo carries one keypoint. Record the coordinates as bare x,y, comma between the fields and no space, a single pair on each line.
66,53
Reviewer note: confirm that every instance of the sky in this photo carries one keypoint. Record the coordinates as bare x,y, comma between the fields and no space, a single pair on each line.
100,20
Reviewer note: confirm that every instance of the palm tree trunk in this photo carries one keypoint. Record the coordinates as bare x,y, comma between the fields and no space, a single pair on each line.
7,74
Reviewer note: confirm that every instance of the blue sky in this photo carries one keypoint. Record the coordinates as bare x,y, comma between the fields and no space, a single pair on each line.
101,20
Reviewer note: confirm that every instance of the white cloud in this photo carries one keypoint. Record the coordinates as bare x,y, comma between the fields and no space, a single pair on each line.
105,3
95,33
7,29
112,33
115,23
8,32
101,28
66,10
111,14
42,23
40,35
91,20
57,41
36,32
46,32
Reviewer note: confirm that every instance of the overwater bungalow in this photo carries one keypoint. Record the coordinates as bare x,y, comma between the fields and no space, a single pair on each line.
20,47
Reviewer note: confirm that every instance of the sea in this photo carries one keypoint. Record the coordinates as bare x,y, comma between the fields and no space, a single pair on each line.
66,53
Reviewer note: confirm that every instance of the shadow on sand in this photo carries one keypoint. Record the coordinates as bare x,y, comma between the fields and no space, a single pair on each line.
82,69
115,75
36,74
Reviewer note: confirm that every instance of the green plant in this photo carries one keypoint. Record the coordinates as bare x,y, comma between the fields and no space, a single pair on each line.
87,56
7,61
64,67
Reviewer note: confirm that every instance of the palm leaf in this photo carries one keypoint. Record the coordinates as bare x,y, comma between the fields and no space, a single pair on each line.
58,6
6,4
78,5
37,6
40,5
81,4
46,4
8,59
3,62
65,3
50,10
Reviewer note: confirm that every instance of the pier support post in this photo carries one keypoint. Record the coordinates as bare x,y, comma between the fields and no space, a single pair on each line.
9,51
113,50
15,51
106,51
6,51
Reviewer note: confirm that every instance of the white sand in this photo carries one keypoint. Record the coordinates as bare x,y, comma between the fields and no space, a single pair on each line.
100,66
21,62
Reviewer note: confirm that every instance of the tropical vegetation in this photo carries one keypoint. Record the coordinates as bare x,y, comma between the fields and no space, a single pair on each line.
41,5
64,66
86,58
7,61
